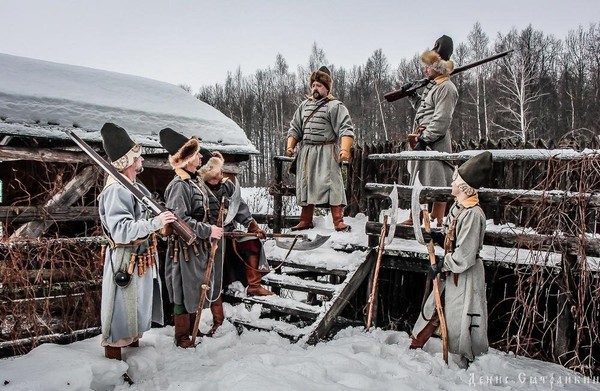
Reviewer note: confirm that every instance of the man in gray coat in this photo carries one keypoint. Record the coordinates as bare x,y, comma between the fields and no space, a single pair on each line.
131,298
462,278
186,265
320,123
435,107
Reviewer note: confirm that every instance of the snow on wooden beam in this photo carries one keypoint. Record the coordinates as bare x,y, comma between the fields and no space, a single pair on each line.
498,155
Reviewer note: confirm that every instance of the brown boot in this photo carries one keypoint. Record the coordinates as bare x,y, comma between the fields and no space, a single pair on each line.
306,218
337,214
112,352
182,331
438,210
135,344
254,277
218,317
423,336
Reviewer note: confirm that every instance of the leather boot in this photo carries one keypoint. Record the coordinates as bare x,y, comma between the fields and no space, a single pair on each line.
423,336
218,317
306,218
135,344
182,331
112,352
337,214
438,210
254,277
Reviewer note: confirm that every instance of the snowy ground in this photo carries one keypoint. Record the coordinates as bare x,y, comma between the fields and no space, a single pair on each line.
377,360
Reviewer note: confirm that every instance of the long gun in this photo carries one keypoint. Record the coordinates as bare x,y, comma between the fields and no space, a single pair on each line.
179,226
409,88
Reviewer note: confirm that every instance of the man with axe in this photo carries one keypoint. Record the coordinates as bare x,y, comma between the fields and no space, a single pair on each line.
461,273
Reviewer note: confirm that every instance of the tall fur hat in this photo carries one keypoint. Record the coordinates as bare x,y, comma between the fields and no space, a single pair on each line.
181,149
119,147
476,171
439,57
212,168
323,76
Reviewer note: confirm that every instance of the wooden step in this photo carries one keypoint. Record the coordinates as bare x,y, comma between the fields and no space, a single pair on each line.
284,329
298,284
276,263
285,306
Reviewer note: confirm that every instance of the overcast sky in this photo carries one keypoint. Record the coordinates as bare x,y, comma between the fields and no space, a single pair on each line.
196,42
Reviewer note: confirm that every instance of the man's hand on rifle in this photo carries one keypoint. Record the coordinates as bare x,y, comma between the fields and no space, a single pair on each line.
437,237
255,229
166,217
216,232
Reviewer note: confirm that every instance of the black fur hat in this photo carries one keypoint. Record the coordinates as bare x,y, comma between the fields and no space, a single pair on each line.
181,149
119,147
476,171
323,76
439,57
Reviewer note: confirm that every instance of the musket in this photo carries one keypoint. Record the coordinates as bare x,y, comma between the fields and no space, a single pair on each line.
214,245
410,87
179,226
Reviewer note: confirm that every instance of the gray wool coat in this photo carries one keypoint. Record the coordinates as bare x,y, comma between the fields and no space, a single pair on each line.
435,108
319,178
198,206
463,290
127,312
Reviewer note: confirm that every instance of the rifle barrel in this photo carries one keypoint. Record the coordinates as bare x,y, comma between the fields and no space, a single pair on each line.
179,226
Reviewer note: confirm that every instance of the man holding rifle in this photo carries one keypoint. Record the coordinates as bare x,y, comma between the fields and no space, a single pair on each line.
131,298
431,128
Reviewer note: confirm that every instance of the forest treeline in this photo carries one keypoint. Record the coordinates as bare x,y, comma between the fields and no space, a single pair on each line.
546,88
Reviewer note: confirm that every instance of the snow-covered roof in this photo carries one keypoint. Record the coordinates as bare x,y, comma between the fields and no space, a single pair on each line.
40,99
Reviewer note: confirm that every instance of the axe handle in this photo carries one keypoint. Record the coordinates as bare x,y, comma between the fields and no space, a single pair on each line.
245,234
436,289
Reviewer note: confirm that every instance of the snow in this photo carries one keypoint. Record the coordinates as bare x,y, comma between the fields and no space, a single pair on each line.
498,154
261,360
41,99
376,360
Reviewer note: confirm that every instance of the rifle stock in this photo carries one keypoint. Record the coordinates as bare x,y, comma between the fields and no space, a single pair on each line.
401,93
179,226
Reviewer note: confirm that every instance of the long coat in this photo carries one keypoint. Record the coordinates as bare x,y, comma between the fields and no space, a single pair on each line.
319,178
198,206
463,290
434,112
127,312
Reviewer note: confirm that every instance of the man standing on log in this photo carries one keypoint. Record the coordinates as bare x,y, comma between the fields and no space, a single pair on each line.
131,298
435,107
462,278
186,265
320,123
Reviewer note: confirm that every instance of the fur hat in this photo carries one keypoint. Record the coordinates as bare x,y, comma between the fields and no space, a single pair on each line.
181,149
476,171
119,147
323,76
212,168
439,57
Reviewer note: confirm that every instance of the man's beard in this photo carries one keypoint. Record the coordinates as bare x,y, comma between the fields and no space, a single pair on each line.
316,95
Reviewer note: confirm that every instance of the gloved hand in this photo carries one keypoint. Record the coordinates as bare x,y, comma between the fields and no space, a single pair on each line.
436,269
420,146
254,228
406,87
345,146
291,144
412,140
437,236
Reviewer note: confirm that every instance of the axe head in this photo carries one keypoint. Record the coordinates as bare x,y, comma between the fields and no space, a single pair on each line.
303,245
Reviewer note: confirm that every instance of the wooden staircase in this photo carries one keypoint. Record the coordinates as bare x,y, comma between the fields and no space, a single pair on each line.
307,299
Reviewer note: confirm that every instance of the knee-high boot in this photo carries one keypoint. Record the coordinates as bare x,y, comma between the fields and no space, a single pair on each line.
438,210
112,352
306,218
337,214
254,277
182,331
216,308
